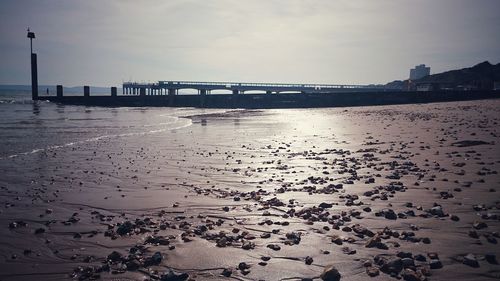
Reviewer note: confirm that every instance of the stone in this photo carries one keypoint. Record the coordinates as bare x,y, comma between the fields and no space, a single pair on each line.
155,259
435,264
294,237
40,230
325,205
337,240
404,255
133,265
421,258
330,273
410,275
243,266
171,276
115,256
372,271
470,260
376,242
125,228
390,214
222,242
348,251
491,258
394,265
437,211
226,272
247,245
274,247
309,260
408,262
433,256
479,225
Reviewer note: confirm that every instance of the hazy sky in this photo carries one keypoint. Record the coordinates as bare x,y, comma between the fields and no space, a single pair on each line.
103,43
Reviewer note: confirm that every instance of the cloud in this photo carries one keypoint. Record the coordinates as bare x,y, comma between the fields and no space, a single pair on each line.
341,41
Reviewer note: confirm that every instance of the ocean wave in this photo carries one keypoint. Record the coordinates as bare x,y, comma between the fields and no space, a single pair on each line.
15,101
187,123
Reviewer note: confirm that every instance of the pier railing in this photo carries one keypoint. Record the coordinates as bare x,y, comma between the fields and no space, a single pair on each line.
237,87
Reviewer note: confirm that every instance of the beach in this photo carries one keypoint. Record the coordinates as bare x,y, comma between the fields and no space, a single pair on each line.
380,192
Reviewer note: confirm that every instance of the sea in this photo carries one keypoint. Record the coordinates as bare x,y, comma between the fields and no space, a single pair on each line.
28,127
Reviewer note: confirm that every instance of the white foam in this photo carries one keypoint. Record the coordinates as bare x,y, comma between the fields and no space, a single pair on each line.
188,123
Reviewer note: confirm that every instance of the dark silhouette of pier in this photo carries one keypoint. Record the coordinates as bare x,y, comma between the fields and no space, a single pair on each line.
204,88
272,95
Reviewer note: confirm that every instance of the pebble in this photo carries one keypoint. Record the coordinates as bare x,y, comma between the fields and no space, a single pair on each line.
274,247
435,264
330,273
171,276
226,272
372,271
309,260
411,275
491,258
40,230
325,205
437,211
479,225
470,260
114,256
243,266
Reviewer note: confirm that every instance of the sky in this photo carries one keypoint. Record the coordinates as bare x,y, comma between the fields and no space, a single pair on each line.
106,42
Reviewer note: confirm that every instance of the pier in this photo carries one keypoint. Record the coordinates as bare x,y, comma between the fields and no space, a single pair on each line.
248,95
205,88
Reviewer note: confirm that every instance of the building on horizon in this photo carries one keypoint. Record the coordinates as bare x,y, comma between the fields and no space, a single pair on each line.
419,71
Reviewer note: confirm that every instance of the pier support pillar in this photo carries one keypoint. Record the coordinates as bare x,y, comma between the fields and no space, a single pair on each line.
142,92
59,91
235,92
269,92
34,77
86,91
203,94
113,91
171,97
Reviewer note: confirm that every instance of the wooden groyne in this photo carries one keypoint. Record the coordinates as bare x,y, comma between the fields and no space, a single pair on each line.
282,100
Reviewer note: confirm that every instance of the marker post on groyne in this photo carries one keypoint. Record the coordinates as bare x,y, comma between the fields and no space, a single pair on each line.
59,91
86,91
34,71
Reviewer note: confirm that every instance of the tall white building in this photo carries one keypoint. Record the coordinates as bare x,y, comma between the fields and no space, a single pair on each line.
419,71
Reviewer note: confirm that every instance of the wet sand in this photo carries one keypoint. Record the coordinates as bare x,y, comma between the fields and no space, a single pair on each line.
385,192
